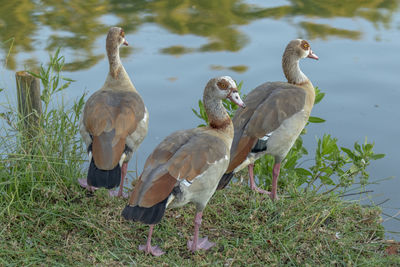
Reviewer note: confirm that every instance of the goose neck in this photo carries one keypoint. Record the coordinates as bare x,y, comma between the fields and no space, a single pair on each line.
292,70
217,116
114,61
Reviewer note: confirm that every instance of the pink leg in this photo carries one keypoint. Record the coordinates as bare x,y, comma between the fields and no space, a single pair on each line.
154,250
253,185
197,243
124,170
275,175
84,184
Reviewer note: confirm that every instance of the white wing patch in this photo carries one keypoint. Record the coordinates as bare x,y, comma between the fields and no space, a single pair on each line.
211,165
186,183
266,137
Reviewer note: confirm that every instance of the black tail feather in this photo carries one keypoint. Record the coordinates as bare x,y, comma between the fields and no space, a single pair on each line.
150,215
104,178
226,178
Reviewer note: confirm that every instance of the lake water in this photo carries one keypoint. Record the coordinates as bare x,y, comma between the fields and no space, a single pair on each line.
177,46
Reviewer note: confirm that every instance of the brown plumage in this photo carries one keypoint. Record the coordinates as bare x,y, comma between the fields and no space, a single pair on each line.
186,166
114,122
182,155
110,117
268,106
275,115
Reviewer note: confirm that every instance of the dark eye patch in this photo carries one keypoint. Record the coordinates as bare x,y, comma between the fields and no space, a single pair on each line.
223,85
305,45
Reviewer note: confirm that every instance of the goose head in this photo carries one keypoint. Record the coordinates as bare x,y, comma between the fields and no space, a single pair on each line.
224,87
116,37
298,49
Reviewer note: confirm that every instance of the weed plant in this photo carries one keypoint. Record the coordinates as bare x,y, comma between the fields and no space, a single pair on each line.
44,165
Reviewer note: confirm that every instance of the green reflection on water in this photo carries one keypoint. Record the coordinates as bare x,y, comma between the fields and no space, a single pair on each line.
78,24
237,68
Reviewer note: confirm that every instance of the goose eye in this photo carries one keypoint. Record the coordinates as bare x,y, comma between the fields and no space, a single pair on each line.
122,33
222,85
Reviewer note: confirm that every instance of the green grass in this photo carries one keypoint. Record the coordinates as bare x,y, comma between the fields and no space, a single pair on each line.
69,227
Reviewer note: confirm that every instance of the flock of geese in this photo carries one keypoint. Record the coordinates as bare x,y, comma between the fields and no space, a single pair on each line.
188,166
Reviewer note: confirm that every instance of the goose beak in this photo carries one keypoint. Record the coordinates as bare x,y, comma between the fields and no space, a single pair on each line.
125,42
312,55
235,98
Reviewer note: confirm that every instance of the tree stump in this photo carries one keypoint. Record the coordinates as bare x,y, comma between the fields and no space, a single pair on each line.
29,103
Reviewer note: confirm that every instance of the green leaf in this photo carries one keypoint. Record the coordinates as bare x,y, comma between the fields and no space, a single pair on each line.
368,147
315,120
196,113
303,172
326,180
328,145
318,98
349,153
290,162
377,156
64,86
318,95
357,147
68,79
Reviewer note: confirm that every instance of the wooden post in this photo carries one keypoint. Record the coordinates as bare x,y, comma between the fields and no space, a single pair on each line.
29,103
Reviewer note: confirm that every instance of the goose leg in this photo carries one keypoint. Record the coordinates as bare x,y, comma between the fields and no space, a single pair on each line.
124,171
84,184
148,248
253,185
275,175
197,243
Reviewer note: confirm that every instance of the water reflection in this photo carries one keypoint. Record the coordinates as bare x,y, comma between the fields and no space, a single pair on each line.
236,68
323,31
18,25
177,50
78,24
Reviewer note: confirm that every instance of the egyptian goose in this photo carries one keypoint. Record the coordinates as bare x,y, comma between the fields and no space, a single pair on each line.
276,114
114,123
186,167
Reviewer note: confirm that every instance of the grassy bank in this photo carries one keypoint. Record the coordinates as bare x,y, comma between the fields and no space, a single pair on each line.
72,228
47,219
